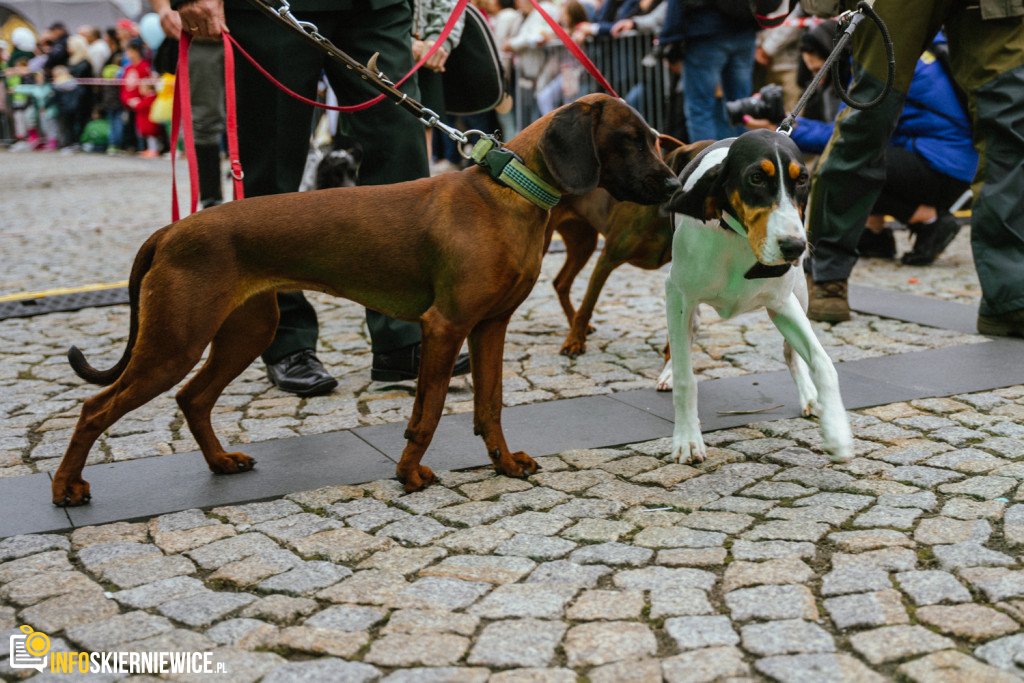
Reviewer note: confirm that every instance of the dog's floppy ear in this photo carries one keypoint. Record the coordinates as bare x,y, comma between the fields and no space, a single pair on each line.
702,199
569,150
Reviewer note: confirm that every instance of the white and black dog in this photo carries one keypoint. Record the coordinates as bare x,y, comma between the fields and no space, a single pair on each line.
333,165
738,245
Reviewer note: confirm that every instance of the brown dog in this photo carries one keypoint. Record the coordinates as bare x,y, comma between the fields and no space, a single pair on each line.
640,235
458,252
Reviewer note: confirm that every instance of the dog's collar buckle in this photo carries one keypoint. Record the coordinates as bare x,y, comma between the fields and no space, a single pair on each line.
508,168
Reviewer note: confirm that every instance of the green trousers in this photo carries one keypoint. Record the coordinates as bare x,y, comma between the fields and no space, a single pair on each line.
987,57
274,129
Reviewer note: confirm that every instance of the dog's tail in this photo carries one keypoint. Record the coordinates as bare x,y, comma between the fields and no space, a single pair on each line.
82,368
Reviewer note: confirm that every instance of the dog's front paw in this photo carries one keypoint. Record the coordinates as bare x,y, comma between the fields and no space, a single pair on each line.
688,446
574,347
71,493
665,378
232,463
517,464
416,478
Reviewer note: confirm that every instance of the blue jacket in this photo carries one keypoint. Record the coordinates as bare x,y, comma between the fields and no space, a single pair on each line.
933,125
694,19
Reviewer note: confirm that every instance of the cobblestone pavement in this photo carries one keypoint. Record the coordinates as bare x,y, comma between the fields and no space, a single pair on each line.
763,563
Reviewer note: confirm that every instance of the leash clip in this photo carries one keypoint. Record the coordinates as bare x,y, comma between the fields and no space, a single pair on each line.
236,170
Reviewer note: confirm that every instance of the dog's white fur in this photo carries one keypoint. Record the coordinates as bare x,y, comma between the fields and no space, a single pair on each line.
708,266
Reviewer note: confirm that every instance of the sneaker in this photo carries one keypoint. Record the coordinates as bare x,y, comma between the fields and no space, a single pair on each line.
1003,324
877,244
404,364
149,154
828,302
930,240
301,373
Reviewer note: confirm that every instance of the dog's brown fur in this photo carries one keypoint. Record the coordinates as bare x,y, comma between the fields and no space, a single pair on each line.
458,253
640,235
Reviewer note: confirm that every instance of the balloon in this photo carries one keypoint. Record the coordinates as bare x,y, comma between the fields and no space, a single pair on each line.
150,31
23,39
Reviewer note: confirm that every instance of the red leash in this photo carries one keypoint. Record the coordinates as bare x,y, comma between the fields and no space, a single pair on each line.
576,51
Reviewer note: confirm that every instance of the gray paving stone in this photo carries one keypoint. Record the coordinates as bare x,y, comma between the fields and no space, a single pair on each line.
741,505
972,622
240,632
996,583
107,634
588,507
28,590
788,570
925,500
966,460
440,674
376,519
539,548
795,530
536,498
771,550
832,516
981,487
570,573
323,669
137,570
159,592
420,649
870,539
778,490
305,579
661,578
772,602
537,523
517,642
295,526
825,479
429,499
525,600
880,608
474,513
890,643
436,592
631,671
795,456
597,531
53,560
970,554
919,475
535,675
615,554
884,516
932,587
358,506
95,557
679,601
13,547
415,530
854,580
678,537
693,632
846,501
254,513
600,643
403,560
1004,653
280,609
607,605
489,568
966,508
478,540
950,665
888,559
686,557
65,611
946,530
792,636
705,665
219,553
347,618
840,668
202,609
430,621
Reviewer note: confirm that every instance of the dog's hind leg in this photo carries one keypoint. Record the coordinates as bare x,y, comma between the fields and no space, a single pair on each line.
802,377
796,328
241,338
580,242
576,342
687,442
152,370
486,348
439,348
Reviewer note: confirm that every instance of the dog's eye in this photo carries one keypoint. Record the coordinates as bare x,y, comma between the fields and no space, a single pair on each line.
802,179
757,178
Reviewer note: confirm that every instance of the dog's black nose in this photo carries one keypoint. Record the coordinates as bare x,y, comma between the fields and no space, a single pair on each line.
792,247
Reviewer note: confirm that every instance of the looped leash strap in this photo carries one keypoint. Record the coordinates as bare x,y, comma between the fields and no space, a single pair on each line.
576,51
181,121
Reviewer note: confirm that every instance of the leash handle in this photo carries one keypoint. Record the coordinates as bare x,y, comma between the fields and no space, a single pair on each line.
576,51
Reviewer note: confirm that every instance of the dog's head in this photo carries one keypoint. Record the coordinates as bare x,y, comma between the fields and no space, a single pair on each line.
759,179
339,165
599,141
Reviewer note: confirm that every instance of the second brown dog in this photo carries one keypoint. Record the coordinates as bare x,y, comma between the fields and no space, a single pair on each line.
637,234
458,253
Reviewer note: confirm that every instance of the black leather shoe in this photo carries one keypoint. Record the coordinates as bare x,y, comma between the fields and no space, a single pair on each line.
877,244
404,364
301,373
930,240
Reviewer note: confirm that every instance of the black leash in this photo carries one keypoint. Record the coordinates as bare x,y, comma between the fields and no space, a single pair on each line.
849,21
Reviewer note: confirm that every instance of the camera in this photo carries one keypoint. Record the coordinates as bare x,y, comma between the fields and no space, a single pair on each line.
766,104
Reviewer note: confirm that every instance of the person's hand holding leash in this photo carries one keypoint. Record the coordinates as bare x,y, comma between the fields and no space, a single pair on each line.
203,18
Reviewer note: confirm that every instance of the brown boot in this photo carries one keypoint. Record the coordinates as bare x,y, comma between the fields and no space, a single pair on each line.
828,301
1009,324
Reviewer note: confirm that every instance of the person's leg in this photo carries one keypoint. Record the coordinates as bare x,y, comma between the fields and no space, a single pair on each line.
988,62
702,64
206,81
851,172
737,77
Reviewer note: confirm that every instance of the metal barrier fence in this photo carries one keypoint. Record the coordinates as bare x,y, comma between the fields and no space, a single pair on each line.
638,77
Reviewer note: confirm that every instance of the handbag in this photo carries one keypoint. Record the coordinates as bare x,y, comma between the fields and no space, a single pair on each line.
473,79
